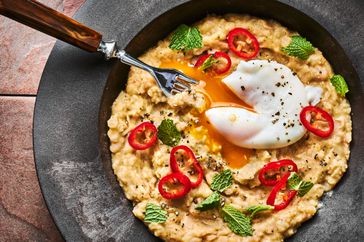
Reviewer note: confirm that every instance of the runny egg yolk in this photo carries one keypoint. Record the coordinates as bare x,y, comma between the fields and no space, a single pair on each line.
218,94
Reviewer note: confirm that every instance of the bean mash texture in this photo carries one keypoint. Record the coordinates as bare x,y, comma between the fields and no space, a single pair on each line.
321,161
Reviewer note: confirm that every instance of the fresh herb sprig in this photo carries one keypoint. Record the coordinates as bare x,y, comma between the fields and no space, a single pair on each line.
237,221
299,47
222,181
296,183
257,209
208,63
210,202
168,133
155,214
186,38
340,85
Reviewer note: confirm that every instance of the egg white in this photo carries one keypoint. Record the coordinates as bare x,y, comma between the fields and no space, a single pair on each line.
277,96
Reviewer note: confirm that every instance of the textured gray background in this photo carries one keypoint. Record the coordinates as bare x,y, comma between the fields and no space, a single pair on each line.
73,181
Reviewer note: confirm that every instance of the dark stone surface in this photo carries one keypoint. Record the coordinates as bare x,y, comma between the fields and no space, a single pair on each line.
71,157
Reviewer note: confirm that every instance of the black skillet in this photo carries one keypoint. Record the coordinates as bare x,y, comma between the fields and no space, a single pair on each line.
78,88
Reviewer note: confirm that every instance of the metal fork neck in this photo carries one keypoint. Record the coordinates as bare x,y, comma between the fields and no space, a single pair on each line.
108,48
111,50
129,60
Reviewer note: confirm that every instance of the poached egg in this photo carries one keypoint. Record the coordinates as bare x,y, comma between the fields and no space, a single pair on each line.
277,96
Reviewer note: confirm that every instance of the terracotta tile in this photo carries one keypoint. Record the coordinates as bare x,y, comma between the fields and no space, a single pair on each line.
23,212
24,51
71,6
15,229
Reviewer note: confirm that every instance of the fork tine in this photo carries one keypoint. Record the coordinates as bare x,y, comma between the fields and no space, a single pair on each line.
186,79
181,85
176,90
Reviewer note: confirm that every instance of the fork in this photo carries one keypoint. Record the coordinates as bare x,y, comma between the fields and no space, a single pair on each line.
58,25
170,81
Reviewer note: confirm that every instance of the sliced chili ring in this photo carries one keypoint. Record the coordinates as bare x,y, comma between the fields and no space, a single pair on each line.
243,43
178,186
287,198
219,68
311,117
143,136
186,160
275,166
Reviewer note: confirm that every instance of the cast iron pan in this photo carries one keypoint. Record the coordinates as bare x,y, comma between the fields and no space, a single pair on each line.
78,88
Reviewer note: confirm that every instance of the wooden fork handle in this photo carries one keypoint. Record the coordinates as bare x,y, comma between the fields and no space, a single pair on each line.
51,22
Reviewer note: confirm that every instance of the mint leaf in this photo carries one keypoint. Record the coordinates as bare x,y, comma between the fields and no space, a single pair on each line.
237,221
295,183
208,63
210,202
168,133
304,188
258,208
186,38
340,85
222,181
299,47
155,214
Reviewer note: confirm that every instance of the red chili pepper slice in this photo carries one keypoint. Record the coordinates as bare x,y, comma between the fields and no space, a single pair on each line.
143,136
243,43
219,68
287,198
312,117
174,186
182,157
274,167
